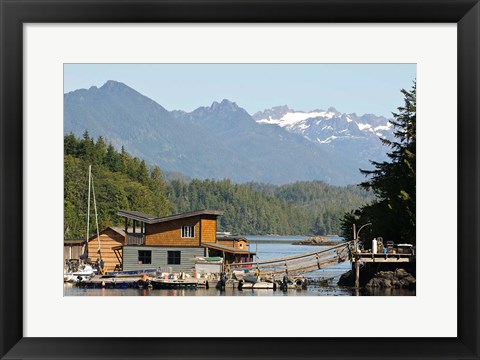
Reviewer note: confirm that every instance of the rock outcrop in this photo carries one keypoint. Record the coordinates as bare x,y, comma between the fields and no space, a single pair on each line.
316,240
392,279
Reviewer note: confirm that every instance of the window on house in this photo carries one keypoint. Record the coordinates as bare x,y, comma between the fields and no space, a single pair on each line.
188,231
173,257
144,256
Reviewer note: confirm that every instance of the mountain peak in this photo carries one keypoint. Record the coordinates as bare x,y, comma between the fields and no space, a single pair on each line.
224,104
284,108
114,85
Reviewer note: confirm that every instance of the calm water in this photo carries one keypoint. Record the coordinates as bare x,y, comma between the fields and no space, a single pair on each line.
265,249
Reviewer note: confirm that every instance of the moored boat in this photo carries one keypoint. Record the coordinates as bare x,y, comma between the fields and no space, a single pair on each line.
133,273
115,283
258,285
174,284
84,272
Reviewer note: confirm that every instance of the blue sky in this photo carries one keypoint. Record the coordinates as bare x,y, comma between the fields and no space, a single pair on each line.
359,88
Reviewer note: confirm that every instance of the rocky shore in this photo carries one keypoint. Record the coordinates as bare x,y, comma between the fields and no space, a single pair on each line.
395,278
388,279
316,240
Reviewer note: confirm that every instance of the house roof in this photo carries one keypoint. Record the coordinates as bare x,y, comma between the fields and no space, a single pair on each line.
232,238
136,215
73,241
225,248
118,229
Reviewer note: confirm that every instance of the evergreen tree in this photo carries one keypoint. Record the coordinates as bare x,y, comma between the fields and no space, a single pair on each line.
393,214
158,188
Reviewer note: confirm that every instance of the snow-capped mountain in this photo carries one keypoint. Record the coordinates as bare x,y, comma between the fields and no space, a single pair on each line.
326,126
357,137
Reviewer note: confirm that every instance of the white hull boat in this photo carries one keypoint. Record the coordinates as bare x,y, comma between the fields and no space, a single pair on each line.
84,273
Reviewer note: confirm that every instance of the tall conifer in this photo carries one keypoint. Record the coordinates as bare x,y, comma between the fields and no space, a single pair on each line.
393,214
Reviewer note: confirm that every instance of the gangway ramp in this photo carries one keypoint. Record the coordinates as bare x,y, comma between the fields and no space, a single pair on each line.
298,264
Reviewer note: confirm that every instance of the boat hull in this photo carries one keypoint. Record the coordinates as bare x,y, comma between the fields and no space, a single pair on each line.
174,284
148,272
261,285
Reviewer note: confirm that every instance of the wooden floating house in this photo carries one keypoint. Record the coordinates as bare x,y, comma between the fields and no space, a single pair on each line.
110,239
173,242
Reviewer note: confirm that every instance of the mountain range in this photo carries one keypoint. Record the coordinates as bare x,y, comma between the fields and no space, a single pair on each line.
277,145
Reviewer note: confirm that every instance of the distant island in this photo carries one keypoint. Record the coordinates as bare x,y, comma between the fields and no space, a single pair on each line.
316,240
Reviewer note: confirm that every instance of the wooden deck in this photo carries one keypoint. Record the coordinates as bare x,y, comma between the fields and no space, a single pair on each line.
383,258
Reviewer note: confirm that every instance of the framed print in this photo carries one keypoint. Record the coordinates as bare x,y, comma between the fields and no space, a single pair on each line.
44,43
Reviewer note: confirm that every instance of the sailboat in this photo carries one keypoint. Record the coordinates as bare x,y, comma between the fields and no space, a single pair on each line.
85,270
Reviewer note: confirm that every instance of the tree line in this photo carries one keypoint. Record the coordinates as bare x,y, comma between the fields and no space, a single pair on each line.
122,181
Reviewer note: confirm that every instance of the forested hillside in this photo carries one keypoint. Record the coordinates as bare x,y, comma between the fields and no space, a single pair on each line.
120,182
300,208
125,182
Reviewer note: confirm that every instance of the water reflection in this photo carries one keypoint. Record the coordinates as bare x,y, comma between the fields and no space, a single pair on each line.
312,290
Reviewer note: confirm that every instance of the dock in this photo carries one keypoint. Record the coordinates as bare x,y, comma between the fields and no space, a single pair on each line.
285,271
359,258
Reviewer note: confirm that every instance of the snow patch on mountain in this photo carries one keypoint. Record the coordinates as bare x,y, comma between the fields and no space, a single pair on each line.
326,126
292,117
364,126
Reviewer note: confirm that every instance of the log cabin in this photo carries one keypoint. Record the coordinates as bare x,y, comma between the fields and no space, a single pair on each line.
171,243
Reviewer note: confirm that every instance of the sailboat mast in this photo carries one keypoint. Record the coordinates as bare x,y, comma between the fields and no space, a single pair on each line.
88,204
96,219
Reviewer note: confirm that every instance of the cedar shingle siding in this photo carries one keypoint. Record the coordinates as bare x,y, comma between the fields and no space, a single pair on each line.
170,233
209,228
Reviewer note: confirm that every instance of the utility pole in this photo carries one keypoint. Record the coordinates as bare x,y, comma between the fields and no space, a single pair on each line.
357,262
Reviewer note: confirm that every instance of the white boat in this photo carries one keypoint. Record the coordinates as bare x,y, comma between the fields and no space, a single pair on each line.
159,283
259,285
85,272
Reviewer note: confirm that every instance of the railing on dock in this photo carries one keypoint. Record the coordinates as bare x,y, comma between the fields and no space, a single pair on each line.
384,257
135,239
299,264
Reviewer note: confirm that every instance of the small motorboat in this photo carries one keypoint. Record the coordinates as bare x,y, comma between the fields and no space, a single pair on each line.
84,272
258,285
133,273
158,283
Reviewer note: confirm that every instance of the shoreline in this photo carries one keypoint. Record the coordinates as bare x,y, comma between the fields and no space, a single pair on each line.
317,241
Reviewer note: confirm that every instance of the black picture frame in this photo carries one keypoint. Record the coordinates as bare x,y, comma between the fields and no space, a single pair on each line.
14,13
